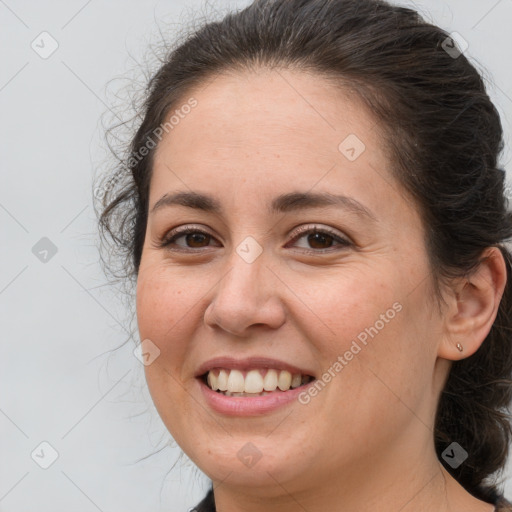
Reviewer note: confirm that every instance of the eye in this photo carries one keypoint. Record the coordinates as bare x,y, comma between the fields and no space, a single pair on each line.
319,239
192,235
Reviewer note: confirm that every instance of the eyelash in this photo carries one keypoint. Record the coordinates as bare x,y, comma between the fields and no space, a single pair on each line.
176,234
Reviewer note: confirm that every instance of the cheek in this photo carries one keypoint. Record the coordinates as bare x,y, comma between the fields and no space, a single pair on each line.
381,333
346,305
164,309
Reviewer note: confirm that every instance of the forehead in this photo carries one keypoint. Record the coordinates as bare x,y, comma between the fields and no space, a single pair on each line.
258,132
258,106
270,114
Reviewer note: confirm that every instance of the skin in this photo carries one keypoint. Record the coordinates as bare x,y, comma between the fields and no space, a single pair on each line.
365,441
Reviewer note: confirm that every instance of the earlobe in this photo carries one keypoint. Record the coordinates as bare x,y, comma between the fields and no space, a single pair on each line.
473,306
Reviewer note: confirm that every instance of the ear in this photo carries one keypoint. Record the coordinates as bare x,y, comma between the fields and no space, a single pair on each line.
473,304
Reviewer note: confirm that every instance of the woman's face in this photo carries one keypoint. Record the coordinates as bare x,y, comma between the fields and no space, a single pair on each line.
278,154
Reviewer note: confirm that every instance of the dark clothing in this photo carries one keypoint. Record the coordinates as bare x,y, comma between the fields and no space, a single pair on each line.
207,505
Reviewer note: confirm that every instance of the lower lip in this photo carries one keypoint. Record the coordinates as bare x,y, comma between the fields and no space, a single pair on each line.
249,406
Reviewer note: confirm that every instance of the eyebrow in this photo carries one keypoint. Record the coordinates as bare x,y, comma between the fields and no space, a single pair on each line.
284,203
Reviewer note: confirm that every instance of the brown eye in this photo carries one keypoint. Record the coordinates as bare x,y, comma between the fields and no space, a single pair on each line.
194,239
318,240
321,239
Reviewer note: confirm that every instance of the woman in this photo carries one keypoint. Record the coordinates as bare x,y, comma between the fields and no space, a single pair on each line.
316,220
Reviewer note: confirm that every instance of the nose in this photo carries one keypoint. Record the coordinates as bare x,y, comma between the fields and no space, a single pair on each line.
249,295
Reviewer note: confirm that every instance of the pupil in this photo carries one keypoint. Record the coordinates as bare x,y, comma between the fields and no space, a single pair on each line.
191,236
317,237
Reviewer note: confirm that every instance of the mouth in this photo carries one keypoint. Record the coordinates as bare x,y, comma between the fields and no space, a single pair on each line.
253,382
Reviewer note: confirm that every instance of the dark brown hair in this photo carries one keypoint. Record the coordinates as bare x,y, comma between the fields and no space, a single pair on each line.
442,133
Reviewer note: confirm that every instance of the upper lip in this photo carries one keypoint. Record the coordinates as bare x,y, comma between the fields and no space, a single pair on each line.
249,363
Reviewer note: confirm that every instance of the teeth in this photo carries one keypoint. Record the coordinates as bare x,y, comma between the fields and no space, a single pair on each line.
236,381
264,393
296,380
253,382
270,380
285,381
213,381
222,380
233,382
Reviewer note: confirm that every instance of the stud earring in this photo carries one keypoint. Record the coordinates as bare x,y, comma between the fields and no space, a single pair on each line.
460,347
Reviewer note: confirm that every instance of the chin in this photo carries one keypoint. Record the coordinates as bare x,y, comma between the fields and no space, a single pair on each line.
250,467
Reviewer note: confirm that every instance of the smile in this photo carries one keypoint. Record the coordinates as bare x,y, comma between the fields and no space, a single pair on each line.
254,382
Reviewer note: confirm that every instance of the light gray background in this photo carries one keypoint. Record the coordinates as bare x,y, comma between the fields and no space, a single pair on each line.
61,379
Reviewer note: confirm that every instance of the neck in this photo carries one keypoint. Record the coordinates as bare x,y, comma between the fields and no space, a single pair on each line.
414,483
